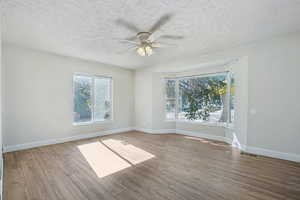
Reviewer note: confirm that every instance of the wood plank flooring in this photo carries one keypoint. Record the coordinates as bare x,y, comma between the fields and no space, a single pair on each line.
138,166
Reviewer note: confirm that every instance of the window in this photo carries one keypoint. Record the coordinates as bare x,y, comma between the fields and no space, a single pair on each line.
200,98
92,99
170,99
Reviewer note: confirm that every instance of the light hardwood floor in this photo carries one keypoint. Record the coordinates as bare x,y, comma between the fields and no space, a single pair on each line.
138,166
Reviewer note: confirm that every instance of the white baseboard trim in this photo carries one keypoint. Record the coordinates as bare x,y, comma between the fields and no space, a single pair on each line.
242,147
144,130
62,140
248,149
163,131
153,131
273,154
228,140
2,173
182,132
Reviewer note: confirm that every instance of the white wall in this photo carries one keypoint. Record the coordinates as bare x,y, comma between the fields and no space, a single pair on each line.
143,100
38,96
274,93
1,157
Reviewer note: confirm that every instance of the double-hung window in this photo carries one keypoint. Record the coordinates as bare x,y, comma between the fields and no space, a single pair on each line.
92,99
203,98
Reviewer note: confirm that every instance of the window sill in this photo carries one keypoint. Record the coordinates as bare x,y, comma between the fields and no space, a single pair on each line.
217,124
92,123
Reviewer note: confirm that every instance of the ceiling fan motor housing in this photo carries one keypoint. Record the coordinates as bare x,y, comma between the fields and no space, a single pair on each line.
143,36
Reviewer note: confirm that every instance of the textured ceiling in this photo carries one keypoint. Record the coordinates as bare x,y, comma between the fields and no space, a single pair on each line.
87,28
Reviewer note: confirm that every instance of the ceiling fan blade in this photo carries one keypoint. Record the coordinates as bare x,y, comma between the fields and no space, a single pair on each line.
126,41
128,25
127,50
162,21
172,37
162,45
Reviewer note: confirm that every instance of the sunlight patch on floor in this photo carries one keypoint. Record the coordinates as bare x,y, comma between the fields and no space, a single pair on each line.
103,161
131,153
110,156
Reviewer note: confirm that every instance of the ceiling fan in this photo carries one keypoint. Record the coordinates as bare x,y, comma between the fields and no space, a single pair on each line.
143,41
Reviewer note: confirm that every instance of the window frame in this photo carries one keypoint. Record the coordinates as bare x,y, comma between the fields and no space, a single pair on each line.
230,122
93,121
227,123
166,99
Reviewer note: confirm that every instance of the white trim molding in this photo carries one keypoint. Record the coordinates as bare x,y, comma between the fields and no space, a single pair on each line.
273,154
30,145
153,131
230,141
181,132
263,151
163,131
144,130
2,176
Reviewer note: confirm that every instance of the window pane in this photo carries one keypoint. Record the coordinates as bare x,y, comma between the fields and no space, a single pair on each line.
102,99
170,108
170,89
203,99
82,99
232,87
170,97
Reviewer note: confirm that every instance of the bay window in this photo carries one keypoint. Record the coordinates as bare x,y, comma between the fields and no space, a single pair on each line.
205,98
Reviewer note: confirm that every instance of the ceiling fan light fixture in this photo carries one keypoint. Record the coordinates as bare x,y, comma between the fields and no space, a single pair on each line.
149,50
145,50
141,51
